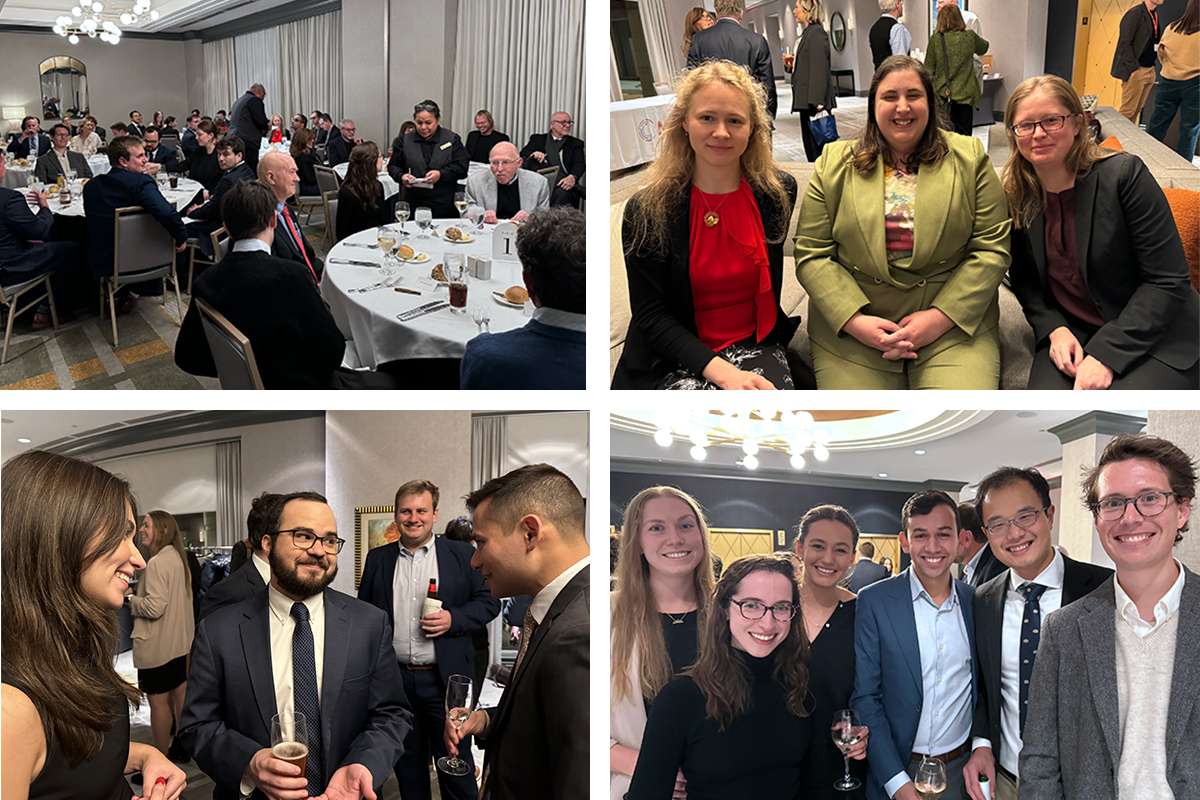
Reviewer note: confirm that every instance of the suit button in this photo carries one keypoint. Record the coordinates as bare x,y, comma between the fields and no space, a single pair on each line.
878,281
922,282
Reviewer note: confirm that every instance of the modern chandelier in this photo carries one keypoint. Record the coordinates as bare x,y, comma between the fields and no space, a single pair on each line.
790,432
92,19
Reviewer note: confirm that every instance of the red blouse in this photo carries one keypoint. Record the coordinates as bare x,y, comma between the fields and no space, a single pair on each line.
729,269
276,136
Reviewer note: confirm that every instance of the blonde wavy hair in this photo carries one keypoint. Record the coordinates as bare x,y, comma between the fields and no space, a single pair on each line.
814,11
671,173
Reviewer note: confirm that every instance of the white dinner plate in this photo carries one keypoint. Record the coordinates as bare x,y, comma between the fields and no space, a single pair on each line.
499,297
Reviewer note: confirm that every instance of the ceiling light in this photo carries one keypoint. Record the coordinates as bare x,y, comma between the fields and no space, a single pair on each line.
24,441
754,432
821,452
750,447
663,438
1026,414
919,452
698,453
883,474
750,462
797,461
73,39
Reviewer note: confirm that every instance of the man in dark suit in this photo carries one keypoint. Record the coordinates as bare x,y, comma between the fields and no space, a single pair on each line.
325,131
340,146
979,564
31,135
259,658
728,40
914,642
161,159
188,140
558,149
254,575
528,529
548,352
135,126
230,153
1113,707
50,166
1018,517
278,172
429,647
866,571
248,119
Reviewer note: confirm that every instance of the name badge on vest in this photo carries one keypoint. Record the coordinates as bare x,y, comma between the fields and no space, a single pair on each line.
444,146
504,242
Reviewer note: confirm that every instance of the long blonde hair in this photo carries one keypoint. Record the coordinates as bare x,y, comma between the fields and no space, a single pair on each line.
670,176
1023,190
636,625
166,534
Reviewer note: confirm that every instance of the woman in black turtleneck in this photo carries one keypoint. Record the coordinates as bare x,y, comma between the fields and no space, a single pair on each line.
738,724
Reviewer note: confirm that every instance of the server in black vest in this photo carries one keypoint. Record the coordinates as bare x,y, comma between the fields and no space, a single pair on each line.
430,162
888,37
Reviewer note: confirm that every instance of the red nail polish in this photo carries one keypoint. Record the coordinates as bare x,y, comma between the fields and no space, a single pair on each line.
161,781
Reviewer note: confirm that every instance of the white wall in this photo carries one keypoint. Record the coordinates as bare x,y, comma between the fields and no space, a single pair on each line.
182,481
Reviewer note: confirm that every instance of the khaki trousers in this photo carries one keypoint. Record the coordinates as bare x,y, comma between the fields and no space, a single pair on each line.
1134,93
1006,789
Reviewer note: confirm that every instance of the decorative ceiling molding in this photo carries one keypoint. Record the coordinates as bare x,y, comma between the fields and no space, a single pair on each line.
162,426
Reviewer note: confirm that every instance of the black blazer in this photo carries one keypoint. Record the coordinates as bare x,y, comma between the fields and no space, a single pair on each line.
211,211
811,85
243,583
119,188
248,119
479,147
572,155
730,41
1079,579
20,149
1136,32
1132,262
202,167
353,216
20,224
662,334
283,247
164,155
988,567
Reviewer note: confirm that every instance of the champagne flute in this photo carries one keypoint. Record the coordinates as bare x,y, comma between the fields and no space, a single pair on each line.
289,739
460,202
460,702
402,215
931,779
846,731
424,218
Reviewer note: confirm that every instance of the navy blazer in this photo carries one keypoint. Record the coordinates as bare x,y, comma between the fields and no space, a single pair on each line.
888,689
21,149
244,582
18,225
537,356
460,588
164,155
187,141
728,40
120,188
211,211
365,714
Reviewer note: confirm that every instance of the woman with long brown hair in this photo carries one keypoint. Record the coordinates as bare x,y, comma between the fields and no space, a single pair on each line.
1179,84
698,19
663,596
306,162
951,60
360,199
68,556
163,625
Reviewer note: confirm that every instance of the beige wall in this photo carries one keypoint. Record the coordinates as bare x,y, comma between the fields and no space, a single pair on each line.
1182,428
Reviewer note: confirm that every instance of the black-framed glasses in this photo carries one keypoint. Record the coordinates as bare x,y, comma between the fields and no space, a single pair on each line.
1049,125
304,539
1150,504
756,609
1023,520
566,123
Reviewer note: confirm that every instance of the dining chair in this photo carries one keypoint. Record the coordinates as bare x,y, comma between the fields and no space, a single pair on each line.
142,250
231,350
10,298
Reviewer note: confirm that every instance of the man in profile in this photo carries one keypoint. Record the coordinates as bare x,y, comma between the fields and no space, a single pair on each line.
548,352
248,120
340,146
118,130
254,575
278,172
504,191
298,121
188,140
230,153
728,40
979,564
558,148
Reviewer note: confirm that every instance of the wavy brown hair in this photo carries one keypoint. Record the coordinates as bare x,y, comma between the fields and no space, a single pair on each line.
636,625
950,19
670,176
301,140
720,672
362,179
166,534
1022,188
61,515
691,24
871,145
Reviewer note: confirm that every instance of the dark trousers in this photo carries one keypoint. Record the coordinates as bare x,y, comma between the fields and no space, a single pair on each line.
251,154
563,197
426,692
59,258
811,151
960,115
1145,373
956,784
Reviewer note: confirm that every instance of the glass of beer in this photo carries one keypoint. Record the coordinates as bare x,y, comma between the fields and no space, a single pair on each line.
289,739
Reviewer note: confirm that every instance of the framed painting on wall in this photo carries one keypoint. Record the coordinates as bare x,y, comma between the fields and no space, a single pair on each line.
374,526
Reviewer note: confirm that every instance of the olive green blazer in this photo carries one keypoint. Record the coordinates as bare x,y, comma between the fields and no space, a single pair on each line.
960,249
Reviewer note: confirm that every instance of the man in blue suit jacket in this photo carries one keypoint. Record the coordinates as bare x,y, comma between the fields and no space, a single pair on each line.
161,159
548,353
255,659
428,647
914,644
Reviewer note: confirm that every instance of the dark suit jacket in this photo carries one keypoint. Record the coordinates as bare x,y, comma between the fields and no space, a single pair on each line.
48,167
21,149
1136,31
248,119
537,356
988,567
187,140
662,336
283,247
730,41
164,155
1072,744
460,588
1079,579
865,573
574,161
211,211
1132,261
133,129
18,225
537,743
811,85
338,151
243,583
231,692
120,188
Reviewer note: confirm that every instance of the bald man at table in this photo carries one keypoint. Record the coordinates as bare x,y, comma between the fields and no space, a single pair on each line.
505,191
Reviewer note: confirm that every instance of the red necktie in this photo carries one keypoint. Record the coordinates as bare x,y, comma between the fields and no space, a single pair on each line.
299,243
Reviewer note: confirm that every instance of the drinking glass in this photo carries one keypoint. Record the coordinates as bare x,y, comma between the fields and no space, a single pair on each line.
289,739
424,218
846,731
452,265
386,238
475,214
459,704
931,779
460,202
402,215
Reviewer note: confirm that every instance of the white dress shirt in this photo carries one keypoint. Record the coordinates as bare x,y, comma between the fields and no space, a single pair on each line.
262,565
969,567
410,584
1163,609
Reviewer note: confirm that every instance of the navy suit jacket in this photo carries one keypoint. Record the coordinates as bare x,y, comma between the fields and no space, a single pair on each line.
243,583
888,690
18,225
21,149
282,246
460,588
865,573
537,356
730,41
120,188
988,567
164,155
365,714
187,140
211,211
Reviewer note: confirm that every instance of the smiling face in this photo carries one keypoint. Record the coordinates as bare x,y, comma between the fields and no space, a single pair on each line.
1137,542
827,552
1028,551
718,126
147,531
87,129
901,111
932,541
500,555
60,138
415,516
302,573
106,581
759,637
427,124
482,125
137,160
670,537
1045,150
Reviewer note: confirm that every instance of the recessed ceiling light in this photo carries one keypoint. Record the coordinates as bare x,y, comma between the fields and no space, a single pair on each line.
883,474
24,441
919,452
1026,414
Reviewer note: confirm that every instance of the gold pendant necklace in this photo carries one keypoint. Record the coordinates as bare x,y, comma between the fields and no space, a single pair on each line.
711,217
679,621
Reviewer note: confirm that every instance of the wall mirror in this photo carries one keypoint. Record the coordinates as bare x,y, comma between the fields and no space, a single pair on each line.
837,31
64,87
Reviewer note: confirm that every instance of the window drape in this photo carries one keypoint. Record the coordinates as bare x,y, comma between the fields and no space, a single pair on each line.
230,519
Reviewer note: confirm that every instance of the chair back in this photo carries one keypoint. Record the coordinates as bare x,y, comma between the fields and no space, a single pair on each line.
327,179
220,243
231,350
172,142
140,243
331,203
551,174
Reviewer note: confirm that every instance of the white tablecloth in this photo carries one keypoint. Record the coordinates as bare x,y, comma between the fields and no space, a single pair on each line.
390,187
370,317
634,127
265,146
18,177
177,197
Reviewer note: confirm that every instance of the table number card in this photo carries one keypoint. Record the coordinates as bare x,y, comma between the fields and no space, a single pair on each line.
504,242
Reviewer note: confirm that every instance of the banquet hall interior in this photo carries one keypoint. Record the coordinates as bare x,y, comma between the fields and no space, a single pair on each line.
469,74
206,470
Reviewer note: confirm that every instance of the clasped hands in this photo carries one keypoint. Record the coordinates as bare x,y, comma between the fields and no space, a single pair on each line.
1067,354
283,780
899,340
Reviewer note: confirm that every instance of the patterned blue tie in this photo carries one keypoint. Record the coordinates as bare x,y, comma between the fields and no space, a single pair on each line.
1031,628
304,694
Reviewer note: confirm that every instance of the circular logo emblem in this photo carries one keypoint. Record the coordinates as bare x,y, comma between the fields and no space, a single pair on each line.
646,129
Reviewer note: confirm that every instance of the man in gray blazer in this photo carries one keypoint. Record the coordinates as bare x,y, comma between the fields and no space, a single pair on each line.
507,192
1112,706
866,571
49,166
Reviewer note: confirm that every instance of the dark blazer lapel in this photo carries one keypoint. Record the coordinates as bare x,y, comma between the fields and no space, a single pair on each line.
680,248
964,602
1187,667
256,643
339,628
904,624
1079,580
1098,635
988,641
1085,201
391,554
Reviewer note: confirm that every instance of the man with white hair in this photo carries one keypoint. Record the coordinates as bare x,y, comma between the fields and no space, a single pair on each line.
888,37
506,191
340,146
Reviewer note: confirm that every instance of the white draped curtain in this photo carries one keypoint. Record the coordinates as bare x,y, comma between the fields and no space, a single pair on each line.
257,58
522,60
489,443
230,519
653,14
220,76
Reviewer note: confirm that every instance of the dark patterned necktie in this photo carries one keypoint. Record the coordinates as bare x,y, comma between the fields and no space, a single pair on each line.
304,694
528,626
1031,628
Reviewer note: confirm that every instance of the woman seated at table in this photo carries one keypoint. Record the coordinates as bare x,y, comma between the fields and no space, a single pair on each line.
201,166
277,134
430,161
902,243
306,162
1098,265
361,205
87,141
703,245
485,136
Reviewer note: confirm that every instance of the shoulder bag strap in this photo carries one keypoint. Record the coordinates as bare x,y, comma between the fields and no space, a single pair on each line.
946,58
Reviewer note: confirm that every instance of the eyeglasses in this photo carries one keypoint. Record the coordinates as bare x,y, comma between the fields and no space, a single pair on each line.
1023,520
305,539
1150,504
753,609
1049,125
566,123
501,163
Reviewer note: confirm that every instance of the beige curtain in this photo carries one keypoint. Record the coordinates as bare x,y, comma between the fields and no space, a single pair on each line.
257,58
658,40
230,519
220,83
310,56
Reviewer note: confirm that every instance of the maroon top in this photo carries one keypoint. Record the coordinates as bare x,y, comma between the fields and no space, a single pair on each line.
1062,259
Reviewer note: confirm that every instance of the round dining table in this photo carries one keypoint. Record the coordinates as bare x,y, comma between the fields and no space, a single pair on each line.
370,317
178,197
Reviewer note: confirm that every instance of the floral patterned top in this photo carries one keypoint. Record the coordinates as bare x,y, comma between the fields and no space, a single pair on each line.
899,195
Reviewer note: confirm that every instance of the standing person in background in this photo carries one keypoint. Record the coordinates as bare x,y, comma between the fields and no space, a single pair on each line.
812,90
1134,56
951,61
865,570
698,19
255,574
727,40
430,162
1179,90
248,120
888,37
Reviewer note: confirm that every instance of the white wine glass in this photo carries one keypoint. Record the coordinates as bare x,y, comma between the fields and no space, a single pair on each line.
930,780
387,240
424,218
846,731
460,202
402,213
460,702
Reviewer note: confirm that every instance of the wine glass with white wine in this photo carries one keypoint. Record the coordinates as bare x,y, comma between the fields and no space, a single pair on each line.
846,731
460,702
402,216
387,240
931,779
461,203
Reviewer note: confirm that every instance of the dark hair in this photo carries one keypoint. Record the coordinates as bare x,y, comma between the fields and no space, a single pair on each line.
275,513
208,126
406,126
867,549
300,142
551,246
931,148
120,146
1189,23
533,489
131,113
427,105
418,487
221,112
168,122
118,126
968,519
1179,466
459,529
362,179
263,509
1006,476
152,129
26,119
828,512
231,141
924,502
56,126
195,112
326,118
247,209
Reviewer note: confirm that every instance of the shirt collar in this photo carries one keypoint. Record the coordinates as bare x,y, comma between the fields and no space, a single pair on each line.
404,551
1051,577
560,319
549,593
251,245
263,567
281,605
1163,609
915,587
974,562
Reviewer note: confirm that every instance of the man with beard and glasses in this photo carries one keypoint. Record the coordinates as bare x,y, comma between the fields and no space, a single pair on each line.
300,647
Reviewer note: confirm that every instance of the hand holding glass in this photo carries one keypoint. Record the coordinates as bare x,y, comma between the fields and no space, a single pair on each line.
289,739
460,702
846,731
931,779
